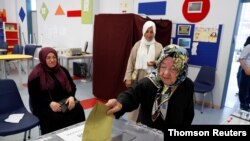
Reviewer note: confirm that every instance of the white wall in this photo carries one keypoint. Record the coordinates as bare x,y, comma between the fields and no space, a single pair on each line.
64,32
2,5
10,6
116,6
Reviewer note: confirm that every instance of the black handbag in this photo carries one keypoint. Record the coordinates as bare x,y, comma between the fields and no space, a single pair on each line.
64,106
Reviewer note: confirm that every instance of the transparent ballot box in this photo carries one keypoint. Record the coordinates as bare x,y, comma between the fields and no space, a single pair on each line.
122,130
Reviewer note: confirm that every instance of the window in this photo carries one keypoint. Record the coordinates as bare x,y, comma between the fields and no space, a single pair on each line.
33,5
244,27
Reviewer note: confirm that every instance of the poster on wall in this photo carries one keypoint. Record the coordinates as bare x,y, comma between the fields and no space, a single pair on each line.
87,11
184,30
202,43
184,42
152,8
205,33
195,7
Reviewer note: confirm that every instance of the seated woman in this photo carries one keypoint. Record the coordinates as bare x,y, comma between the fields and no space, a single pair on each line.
48,84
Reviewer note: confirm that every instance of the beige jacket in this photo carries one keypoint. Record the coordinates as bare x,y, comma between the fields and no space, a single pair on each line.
132,58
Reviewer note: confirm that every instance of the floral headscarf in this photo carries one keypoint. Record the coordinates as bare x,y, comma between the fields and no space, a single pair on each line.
180,56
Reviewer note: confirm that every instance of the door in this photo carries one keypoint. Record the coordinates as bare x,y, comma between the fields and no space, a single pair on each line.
242,31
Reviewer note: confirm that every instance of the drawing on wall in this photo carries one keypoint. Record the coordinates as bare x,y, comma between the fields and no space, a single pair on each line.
21,14
59,11
195,7
205,33
184,30
74,13
194,48
213,36
184,42
44,11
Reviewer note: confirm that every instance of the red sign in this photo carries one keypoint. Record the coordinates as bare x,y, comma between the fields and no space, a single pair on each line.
195,10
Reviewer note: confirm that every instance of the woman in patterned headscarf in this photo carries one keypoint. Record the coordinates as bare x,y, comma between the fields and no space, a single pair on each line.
166,95
49,83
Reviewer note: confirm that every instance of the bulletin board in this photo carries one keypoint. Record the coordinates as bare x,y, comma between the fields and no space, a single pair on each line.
202,42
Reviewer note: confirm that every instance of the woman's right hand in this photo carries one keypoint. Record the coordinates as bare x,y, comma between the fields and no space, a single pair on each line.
128,83
55,106
114,105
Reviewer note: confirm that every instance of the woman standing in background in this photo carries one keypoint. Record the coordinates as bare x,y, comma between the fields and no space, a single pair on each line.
142,59
244,77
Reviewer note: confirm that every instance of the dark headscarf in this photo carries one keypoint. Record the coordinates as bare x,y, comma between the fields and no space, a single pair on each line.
43,71
247,41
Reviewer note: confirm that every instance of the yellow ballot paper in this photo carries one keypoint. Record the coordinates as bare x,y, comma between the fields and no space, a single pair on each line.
98,126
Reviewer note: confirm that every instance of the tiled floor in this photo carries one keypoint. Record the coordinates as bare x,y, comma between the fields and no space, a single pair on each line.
84,91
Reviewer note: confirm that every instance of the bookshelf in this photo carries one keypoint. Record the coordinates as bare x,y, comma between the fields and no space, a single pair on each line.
1,32
10,31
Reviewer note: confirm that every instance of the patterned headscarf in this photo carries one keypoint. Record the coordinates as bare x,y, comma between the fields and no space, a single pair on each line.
180,56
164,93
42,71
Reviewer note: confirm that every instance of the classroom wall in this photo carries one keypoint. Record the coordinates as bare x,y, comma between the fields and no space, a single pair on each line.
118,6
63,32
10,6
2,5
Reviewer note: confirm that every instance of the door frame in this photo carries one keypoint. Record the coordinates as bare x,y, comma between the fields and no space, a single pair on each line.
232,49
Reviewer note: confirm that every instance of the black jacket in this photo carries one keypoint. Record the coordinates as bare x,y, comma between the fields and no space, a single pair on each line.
180,107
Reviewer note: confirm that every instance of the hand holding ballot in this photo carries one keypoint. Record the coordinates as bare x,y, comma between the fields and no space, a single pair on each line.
98,123
114,105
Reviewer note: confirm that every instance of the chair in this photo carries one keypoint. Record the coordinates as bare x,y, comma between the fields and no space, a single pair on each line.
3,45
11,103
17,49
204,83
30,50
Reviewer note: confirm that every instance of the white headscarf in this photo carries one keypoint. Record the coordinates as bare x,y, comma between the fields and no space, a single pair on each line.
146,51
